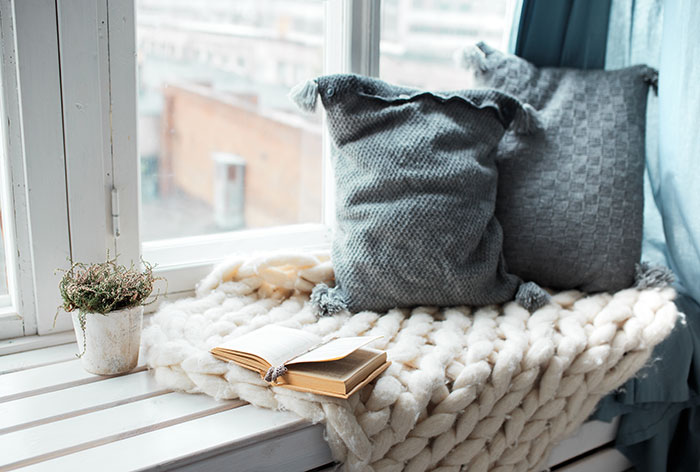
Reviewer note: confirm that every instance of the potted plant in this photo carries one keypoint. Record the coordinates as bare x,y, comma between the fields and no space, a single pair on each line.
106,301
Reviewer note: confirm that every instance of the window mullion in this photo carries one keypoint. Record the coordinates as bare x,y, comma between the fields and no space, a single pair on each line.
352,36
82,31
364,37
15,224
351,46
121,17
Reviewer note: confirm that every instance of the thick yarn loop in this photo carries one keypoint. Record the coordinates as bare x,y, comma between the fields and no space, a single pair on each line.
494,388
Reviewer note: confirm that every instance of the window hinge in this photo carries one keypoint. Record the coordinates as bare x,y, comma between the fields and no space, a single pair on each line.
115,212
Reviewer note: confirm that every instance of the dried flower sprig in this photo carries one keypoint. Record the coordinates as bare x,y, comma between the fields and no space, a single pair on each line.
105,287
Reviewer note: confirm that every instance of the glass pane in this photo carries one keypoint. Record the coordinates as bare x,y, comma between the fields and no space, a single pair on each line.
420,38
221,146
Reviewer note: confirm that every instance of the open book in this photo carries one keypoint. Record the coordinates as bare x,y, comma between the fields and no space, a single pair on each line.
299,360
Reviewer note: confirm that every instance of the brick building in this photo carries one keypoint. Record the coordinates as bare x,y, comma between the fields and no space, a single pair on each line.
281,152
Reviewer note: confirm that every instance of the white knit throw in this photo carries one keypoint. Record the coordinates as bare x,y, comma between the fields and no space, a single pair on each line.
492,388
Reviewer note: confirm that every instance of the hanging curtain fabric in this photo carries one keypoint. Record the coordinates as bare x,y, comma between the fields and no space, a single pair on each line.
563,33
660,423
679,141
660,408
634,37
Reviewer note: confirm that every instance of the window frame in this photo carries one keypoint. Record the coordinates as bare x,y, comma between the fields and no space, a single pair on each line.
71,167
34,167
70,93
352,45
351,41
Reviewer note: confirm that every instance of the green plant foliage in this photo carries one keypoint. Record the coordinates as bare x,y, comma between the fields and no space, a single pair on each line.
103,288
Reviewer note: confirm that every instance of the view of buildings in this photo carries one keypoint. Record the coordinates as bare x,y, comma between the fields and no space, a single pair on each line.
221,146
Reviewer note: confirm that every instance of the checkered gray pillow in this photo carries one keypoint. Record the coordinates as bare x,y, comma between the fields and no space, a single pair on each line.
570,199
415,194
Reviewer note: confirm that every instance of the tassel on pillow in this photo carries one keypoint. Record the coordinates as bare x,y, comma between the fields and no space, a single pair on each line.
305,95
652,276
531,296
327,301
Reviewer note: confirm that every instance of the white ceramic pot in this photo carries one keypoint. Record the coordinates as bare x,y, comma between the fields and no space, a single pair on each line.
112,340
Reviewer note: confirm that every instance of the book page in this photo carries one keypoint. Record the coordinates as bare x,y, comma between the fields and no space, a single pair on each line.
334,349
275,344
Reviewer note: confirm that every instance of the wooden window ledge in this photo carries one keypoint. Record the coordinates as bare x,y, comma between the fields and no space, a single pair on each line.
54,416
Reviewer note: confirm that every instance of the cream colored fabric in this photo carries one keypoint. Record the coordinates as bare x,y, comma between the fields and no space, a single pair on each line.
492,388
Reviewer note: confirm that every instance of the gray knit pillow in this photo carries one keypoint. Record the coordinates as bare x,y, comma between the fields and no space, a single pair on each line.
415,194
570,198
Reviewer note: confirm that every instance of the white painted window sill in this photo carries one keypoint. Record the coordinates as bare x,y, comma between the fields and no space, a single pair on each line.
55,416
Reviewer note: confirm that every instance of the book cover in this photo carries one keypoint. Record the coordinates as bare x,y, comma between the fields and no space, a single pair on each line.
303,361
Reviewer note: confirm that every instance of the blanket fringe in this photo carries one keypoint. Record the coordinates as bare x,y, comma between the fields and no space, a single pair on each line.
652,276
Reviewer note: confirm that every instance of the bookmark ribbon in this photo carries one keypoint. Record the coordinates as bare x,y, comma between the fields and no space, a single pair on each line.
274,372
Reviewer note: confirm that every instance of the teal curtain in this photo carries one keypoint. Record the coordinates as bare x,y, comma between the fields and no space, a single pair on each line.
676,191
563,33
660,422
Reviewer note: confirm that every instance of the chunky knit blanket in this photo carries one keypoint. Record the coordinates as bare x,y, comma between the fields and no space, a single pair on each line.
493,388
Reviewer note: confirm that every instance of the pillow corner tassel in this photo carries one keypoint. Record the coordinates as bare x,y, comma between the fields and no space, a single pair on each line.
305,95
472,57
531,296
651,78
327,301
479,57
647,275
527,120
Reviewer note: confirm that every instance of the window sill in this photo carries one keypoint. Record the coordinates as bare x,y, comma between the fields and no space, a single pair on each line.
30,343
185,261
56,416
11,324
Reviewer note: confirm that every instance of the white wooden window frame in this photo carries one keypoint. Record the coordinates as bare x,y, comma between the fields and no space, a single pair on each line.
72,185
35,209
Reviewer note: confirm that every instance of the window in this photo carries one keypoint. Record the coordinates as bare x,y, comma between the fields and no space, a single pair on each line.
224,162
221,147
420,39
33,172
